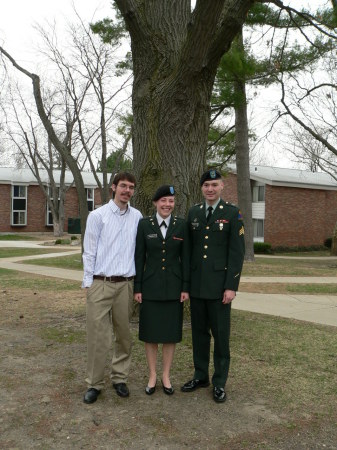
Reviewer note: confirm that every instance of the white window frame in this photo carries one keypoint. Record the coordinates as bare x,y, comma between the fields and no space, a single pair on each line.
256,227
90,198
259,193
20,212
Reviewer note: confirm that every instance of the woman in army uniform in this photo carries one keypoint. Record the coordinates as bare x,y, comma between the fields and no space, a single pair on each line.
161,283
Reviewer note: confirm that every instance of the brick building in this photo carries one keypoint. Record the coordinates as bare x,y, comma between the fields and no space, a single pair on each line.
290,207
23,206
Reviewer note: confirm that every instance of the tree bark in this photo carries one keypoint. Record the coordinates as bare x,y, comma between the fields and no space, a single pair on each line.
175,56
242,161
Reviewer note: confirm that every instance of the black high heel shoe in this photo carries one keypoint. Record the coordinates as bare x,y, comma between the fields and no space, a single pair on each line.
150,390
167,391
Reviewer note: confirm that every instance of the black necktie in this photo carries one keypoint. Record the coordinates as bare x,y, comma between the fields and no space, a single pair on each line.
210,211
163,224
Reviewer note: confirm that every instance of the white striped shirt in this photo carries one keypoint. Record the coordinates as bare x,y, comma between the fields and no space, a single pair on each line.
109,242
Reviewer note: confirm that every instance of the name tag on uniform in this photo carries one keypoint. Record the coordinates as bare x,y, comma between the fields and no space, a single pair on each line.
178,238
152,236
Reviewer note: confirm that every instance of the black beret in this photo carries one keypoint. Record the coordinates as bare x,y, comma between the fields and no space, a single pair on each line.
211,174
163,191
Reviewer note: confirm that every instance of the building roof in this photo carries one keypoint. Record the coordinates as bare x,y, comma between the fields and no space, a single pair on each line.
11,175
277,176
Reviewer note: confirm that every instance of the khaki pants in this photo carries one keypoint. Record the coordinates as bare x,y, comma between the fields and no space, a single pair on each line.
109,310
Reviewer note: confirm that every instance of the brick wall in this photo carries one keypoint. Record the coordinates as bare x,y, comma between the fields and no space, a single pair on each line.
293,216
5,207
299,217
230,193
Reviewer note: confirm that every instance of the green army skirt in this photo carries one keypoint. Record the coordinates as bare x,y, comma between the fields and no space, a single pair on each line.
160,322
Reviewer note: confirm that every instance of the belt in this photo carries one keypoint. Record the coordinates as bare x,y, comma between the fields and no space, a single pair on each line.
113,279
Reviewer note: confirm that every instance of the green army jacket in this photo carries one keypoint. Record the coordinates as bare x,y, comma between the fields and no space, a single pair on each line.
217,250
162,265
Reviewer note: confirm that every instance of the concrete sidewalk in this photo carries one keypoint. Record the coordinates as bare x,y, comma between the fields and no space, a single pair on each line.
310,308
320,309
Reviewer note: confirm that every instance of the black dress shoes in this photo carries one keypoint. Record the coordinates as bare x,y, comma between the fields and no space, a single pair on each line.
91,395
167,390
150,390
121,389
219,394
192,385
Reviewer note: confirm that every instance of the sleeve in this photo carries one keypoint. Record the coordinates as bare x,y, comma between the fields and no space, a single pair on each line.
90,244
236,252
140,256
185,258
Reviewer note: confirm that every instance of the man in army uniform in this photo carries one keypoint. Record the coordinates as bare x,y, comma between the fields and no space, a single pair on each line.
217,253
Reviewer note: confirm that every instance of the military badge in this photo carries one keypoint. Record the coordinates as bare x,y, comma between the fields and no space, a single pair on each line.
172,190
241,231
240,216
212,174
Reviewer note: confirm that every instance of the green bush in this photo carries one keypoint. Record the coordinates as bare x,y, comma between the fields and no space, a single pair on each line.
74,238
328,242
262,248
62,241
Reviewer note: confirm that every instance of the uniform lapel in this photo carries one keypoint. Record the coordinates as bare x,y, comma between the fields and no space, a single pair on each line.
155,225
202,213
171,227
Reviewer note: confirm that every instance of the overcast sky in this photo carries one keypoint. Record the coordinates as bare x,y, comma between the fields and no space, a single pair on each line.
18,36
17,19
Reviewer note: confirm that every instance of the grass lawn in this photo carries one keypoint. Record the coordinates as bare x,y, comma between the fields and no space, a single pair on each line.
8,252
21,280
293,288
67,262
16,237
291,267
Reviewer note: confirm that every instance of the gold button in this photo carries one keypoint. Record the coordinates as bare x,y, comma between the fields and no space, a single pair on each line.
206,237
164,242
205,246
205,256
163,251
163,259
163,268
207,228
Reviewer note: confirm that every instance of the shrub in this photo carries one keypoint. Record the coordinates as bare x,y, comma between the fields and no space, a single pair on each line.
74,238
262,248
328,242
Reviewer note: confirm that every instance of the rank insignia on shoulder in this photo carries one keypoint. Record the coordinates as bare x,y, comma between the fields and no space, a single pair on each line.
241,231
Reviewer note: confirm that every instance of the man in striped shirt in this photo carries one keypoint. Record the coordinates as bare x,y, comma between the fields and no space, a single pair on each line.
109,269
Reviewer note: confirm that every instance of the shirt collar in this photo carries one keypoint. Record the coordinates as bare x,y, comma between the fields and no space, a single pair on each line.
115,208
214,205
160,219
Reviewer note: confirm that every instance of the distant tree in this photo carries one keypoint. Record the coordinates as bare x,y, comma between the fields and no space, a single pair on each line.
75,130
32,148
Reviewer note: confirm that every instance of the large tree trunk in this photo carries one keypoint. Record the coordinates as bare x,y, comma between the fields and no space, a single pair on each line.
175,55
242,161
169,138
